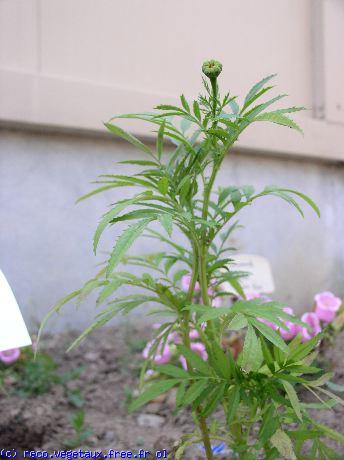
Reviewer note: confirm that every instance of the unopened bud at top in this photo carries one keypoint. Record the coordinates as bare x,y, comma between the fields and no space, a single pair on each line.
212,68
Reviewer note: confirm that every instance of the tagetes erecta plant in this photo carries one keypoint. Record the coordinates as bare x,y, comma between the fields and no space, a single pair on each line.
257,392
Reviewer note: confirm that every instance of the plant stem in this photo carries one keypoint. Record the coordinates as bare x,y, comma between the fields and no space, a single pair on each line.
201,420
205,437
214,89
200,268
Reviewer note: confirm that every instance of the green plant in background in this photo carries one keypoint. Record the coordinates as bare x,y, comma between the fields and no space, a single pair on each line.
257,392
28,377
82,432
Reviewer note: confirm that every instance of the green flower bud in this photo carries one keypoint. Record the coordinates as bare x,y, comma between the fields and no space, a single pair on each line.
212,69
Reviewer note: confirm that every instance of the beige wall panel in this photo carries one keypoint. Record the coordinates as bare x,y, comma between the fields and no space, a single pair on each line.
18,35
333,59
158,46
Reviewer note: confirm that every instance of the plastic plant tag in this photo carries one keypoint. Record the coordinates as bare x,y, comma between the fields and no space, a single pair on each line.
260,278
13,332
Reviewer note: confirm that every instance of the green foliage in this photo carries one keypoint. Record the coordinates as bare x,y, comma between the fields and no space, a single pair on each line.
34,376
257,392
81,431
30,377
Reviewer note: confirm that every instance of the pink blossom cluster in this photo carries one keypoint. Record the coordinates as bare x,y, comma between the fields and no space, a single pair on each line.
326,306
165,352
9,356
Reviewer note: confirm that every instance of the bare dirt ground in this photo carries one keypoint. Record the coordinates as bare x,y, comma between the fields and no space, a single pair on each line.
110,361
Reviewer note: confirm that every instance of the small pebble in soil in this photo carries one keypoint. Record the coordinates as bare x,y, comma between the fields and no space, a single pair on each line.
150,420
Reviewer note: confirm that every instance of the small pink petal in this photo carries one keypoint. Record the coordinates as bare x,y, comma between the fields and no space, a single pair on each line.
199,348
185,283
194,334
326,306
291,329
312,320
250,295
145,352
10,356
164,356
217,302
183,362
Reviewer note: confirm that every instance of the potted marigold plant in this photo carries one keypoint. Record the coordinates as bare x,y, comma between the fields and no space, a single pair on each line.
257,391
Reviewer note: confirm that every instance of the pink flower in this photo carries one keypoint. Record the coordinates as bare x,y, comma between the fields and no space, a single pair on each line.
252,295
326,306
291,329
145,352
313,321
185,283
194,334
198,348
164,356
9,356
217,302
149,373
174,337
161,356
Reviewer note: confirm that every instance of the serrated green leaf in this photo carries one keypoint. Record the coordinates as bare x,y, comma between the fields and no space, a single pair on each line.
138,162
278,118
214,313
163,185
194,391
166,221
160,139
100,190
152,392
283,444
219,361
257,87
269,334
329,432
184,103
233,403
180,393
110,215
293,398
125,241
128,137
196,110
252,356
238,322
269,425
56,308
214,399
305,198
109,289
173,371
301,351
194,360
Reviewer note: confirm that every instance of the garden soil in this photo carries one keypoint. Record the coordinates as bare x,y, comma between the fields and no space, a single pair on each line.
107,365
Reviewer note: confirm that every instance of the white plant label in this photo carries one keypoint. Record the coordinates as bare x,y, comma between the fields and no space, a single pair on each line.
13,332
260,278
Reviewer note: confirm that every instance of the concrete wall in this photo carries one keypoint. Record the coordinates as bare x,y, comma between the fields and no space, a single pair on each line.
45,239
68,65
